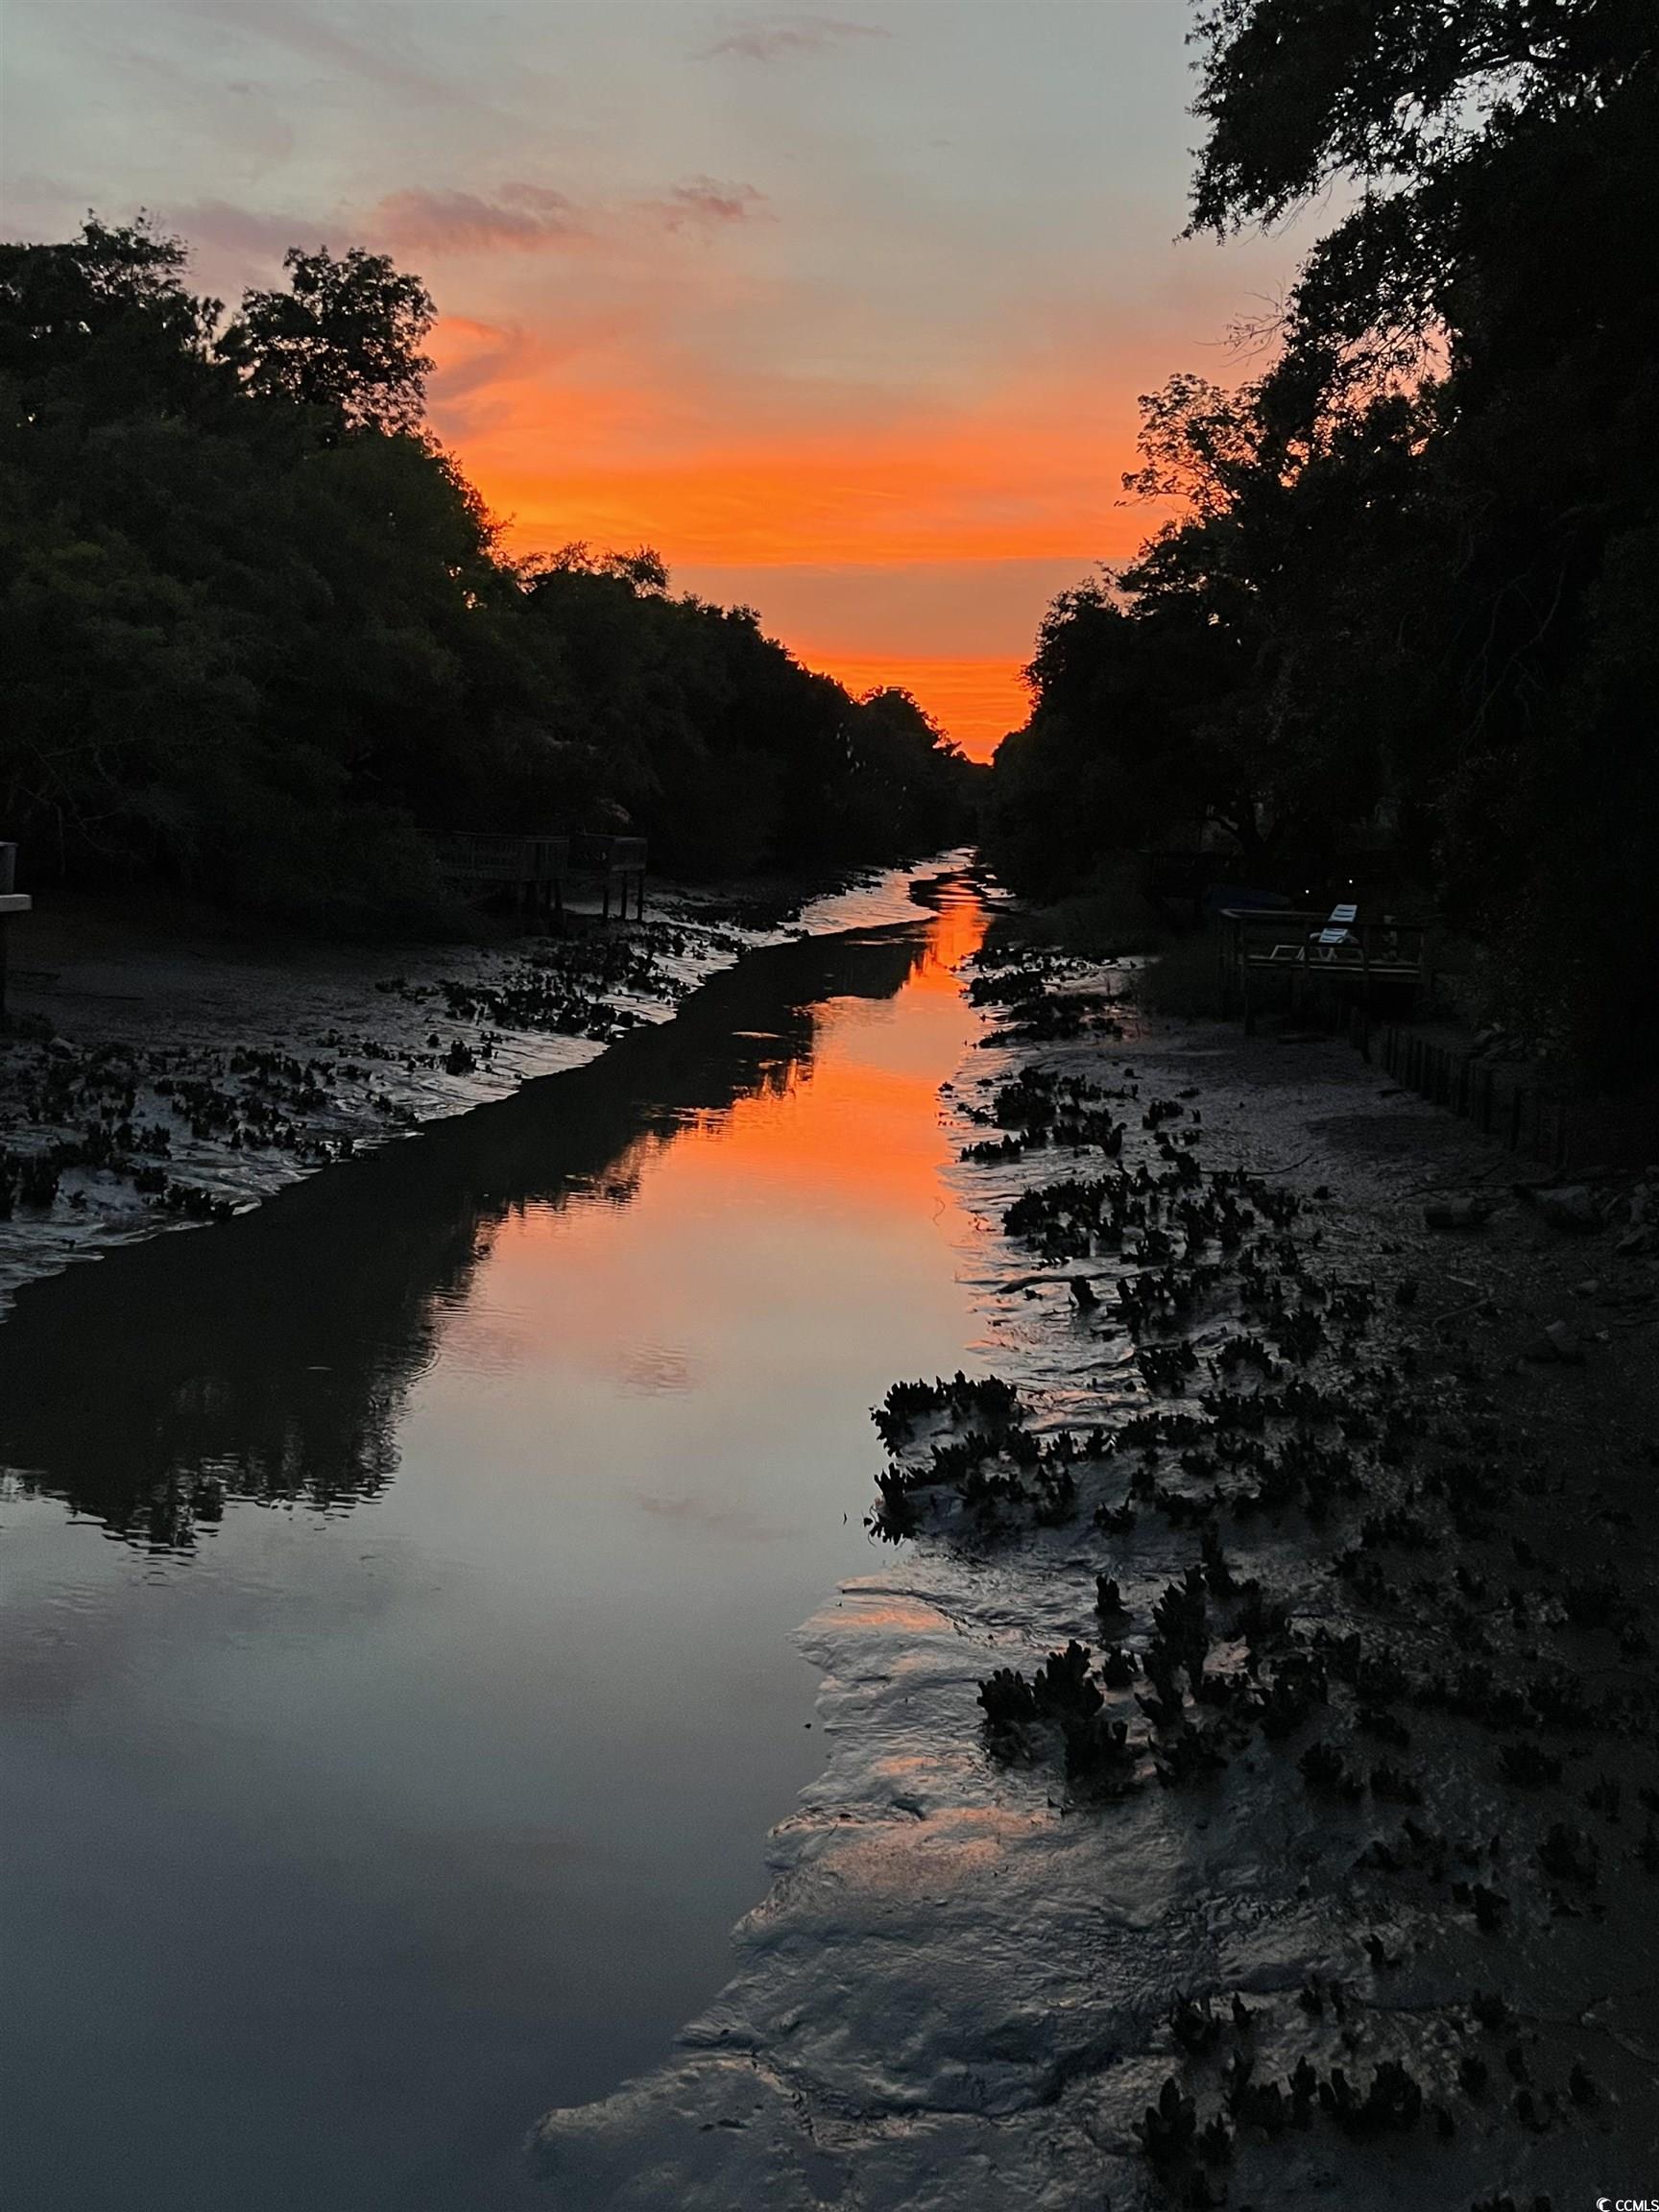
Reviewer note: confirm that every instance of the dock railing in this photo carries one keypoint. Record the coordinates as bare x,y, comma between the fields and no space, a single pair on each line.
12,902
618,865
537,871
1316,951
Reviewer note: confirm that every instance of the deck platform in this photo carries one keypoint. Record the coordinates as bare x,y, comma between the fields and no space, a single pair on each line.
537,872
12,902
1316,951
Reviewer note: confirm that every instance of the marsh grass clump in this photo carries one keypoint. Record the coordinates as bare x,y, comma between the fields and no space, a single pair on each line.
111,1114
1041,1108
1524,1766
1047,1016
1193,2023
989,1152
1327,1772
31,1179
1101,1752
1062,1687
1109,1597
1061,1708
1393,2103
1007,1700
1001,1475
985,1398
1191,1754
1059,1688
1568,1854
1165,1367
1169,2128
1054,1497
1181,1621
1218,1577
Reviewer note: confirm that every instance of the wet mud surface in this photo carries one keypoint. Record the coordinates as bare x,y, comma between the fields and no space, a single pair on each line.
397,1585
172,1082
1243,1779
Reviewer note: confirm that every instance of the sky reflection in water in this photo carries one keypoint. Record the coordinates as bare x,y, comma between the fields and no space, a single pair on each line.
346,1832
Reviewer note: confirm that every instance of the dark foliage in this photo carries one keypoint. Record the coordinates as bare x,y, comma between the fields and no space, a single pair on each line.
259,631
1409,599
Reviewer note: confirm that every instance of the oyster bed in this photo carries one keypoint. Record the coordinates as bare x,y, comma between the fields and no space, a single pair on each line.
1242,1775
187,1085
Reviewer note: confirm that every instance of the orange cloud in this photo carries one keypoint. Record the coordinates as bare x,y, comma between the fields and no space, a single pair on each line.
606,442
525,218
522,218
564,456
704,201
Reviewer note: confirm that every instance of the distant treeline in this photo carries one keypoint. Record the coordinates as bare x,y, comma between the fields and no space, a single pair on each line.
1413,594
259,631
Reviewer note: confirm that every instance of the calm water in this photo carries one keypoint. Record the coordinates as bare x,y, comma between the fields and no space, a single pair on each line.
399,1766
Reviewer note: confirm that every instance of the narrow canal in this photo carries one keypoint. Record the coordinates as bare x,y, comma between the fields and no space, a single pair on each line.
397,1585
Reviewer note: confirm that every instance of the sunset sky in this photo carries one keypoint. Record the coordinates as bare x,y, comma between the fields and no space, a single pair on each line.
845,312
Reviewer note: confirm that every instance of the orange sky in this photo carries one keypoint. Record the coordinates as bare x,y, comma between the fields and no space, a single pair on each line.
1010,483
978,700
845,312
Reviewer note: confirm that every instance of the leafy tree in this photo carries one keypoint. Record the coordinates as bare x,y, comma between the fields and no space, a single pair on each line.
1408,571
260,633
103,325
345,338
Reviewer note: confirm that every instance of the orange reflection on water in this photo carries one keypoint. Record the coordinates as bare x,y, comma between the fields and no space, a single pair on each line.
856,1126
957,933
835,1162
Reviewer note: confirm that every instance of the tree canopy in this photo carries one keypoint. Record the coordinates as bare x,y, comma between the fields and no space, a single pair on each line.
1414,570
345,338
260,630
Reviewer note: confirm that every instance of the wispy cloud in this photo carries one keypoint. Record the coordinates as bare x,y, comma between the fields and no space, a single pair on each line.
533,217
299,31
520,218
704,203
779,37
244,230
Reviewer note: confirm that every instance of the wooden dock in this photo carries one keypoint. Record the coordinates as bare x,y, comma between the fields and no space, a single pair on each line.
538,872
1314,951
12,902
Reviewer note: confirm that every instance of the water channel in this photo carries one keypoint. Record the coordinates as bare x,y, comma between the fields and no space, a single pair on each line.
396,1595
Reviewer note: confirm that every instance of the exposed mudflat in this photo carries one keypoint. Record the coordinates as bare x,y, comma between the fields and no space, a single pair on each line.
173,1077
1323,1870
396,1583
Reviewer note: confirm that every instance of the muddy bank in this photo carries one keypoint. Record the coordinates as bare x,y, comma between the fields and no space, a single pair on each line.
160,1077
396,1595
1242,1782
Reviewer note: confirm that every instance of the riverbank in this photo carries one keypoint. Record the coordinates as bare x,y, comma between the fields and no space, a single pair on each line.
165,1072
396,1584
1334,1459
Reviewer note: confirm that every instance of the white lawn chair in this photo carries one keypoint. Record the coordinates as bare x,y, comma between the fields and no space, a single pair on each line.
1336,934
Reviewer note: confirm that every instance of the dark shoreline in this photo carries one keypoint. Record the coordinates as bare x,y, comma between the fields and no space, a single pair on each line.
967,1985
399,1226
417,1643
198,1076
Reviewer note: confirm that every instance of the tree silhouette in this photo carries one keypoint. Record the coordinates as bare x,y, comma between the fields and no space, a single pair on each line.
1406,578
259,630
345,338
